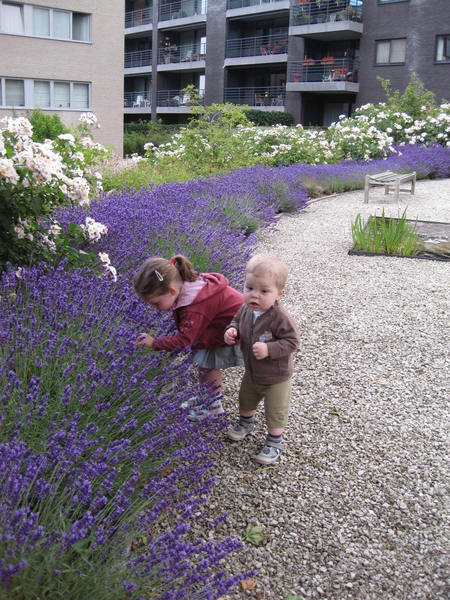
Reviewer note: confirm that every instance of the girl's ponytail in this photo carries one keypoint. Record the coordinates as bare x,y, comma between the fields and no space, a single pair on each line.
185,268
157,274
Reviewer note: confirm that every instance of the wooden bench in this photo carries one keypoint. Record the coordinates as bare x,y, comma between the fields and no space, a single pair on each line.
390,181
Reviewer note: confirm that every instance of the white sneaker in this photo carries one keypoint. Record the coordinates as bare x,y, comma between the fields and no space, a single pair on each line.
239,430
198,414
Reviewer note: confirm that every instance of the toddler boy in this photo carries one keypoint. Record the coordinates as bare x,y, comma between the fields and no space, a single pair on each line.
268,337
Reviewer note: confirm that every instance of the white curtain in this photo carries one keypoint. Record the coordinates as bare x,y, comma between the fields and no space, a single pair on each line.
398,51
61,25
42,94
383,52
12,19
80,95
61,94
41,22
80,27
14,92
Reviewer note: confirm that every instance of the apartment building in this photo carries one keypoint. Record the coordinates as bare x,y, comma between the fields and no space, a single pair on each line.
317,59
64,57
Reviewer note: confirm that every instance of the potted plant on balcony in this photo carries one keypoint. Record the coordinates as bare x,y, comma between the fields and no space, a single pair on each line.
308,62
297,77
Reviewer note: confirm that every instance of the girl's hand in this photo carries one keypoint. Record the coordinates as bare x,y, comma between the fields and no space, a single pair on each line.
144,340
260,350
230,336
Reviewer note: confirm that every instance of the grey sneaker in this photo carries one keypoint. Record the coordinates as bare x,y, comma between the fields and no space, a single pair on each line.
269,454
198,414
239,430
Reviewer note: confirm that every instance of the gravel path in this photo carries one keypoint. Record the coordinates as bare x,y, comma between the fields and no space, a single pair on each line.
358,505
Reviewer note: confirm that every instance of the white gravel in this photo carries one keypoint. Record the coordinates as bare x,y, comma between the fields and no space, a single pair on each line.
358,505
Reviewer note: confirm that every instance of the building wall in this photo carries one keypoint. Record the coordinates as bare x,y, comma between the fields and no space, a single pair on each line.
99,63
419,21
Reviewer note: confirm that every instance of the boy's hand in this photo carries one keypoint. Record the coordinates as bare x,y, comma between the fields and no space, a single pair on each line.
230,336
144,340
260,350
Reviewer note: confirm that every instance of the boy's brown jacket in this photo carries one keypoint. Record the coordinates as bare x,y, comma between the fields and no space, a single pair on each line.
278,330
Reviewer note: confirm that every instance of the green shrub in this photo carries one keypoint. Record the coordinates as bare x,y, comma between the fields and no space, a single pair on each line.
45,127
263,118
141,132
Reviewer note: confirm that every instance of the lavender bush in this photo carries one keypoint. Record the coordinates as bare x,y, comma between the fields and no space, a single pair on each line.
96,455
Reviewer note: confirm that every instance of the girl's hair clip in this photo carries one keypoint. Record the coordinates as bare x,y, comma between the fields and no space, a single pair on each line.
159,276
173,261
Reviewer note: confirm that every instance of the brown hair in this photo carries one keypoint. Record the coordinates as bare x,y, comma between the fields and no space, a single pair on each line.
269,264
157,274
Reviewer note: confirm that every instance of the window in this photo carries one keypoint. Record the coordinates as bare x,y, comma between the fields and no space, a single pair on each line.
61,25
41,22
80,95
42,94
390,52
443,48
14,92
25,19
11,18
80,27
61,94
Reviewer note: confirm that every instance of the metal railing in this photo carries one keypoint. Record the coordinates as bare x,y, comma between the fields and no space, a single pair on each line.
182,54
325,70
181,9
140,58
245,3
304,12
137,100
136,18
274,95
262,45
174,98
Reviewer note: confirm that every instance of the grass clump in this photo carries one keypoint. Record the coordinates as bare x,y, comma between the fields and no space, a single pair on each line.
384,235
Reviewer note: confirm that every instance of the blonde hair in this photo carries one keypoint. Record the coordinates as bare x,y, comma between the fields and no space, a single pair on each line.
269,264
157,274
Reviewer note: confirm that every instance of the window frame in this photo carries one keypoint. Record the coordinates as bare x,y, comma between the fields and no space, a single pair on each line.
446,37
28,23
29,103
381,2
388,64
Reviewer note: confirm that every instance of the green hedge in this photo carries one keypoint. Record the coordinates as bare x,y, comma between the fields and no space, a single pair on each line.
141,132
262,118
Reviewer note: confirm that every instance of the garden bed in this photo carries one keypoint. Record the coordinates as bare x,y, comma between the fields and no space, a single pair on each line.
434,241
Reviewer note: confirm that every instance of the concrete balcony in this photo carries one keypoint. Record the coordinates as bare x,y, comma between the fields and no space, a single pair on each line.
137,102
270,98
331,20
326,75
176,102
138,62
249,8
189,57
138,22
260,50
182,14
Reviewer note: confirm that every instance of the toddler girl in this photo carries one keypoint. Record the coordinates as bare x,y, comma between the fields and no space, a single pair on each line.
202,305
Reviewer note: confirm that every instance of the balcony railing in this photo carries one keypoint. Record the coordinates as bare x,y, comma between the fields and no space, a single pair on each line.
262,45
304,12
140,58
245,3
256,96
136,18
174,98
327,69
137,100
181,54
181,9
